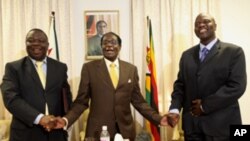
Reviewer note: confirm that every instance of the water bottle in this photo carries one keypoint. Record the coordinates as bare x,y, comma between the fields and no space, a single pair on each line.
104,136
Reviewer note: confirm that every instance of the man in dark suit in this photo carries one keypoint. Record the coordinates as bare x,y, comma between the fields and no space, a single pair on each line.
208,86
110,102
31,101
94,42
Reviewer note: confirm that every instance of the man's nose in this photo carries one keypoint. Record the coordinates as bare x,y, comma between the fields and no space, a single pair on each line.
201,24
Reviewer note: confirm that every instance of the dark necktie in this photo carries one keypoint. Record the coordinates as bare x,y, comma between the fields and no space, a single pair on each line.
204,53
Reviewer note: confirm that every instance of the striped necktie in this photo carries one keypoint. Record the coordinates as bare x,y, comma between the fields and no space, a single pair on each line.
204,53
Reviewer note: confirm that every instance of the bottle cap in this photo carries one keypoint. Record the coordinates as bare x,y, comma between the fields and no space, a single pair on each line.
104,127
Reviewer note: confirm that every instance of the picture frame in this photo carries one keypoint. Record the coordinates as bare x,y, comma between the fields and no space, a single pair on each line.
97,23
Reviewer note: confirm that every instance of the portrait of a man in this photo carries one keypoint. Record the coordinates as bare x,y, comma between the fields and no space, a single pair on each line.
98,23
94,42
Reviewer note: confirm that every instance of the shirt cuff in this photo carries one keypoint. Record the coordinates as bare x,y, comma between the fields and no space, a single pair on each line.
66,123
175,111
202,109
38,118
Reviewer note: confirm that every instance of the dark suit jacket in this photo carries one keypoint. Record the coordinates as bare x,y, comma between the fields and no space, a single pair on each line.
220,80
108,105
25,97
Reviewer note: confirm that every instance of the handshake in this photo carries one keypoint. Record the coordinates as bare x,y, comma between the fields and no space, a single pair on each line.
170,119
50,122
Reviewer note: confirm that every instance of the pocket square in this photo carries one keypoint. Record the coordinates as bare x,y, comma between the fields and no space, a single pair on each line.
129,80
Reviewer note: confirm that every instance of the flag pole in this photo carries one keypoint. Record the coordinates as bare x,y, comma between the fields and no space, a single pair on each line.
53,36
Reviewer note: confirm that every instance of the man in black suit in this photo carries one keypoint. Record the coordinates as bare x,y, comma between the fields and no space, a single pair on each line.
31,101
208,86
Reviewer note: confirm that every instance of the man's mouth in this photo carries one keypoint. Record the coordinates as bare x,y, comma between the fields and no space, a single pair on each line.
203,30
37,50
110,51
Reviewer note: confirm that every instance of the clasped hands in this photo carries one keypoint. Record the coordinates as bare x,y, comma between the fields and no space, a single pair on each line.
172,119
49,122
196,109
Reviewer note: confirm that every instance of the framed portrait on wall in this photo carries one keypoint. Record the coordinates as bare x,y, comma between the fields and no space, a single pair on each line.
98,23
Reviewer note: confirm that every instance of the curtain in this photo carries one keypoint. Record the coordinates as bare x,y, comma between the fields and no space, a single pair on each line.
172,25
17,18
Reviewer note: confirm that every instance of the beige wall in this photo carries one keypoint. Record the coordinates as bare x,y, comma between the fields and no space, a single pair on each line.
235,21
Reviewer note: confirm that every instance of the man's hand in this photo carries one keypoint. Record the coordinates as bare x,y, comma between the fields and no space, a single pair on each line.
173,119
47,122
164,121
196,107
60,123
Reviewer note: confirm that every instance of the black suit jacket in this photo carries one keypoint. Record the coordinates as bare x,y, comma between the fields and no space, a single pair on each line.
109,105
220,80
25,98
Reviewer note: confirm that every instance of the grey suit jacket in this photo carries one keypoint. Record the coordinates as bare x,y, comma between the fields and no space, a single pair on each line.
220,80
25,98
108,105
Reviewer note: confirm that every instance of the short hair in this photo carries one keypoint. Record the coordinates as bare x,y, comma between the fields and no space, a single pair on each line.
207,14
39,30
99,22
117,36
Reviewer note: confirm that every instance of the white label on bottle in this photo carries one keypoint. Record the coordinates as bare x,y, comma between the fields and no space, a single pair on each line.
104,139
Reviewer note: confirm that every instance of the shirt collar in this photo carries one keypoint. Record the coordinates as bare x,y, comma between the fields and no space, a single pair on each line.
210,45
34,61
116,62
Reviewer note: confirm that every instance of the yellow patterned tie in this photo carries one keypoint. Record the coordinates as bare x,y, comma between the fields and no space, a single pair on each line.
113,74
40,72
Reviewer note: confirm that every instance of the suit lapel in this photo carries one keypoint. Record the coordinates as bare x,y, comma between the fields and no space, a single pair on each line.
50,69
32,71
104,73
123,73
196,55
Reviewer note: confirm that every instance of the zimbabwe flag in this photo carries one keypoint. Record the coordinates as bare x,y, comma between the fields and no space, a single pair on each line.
151,86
